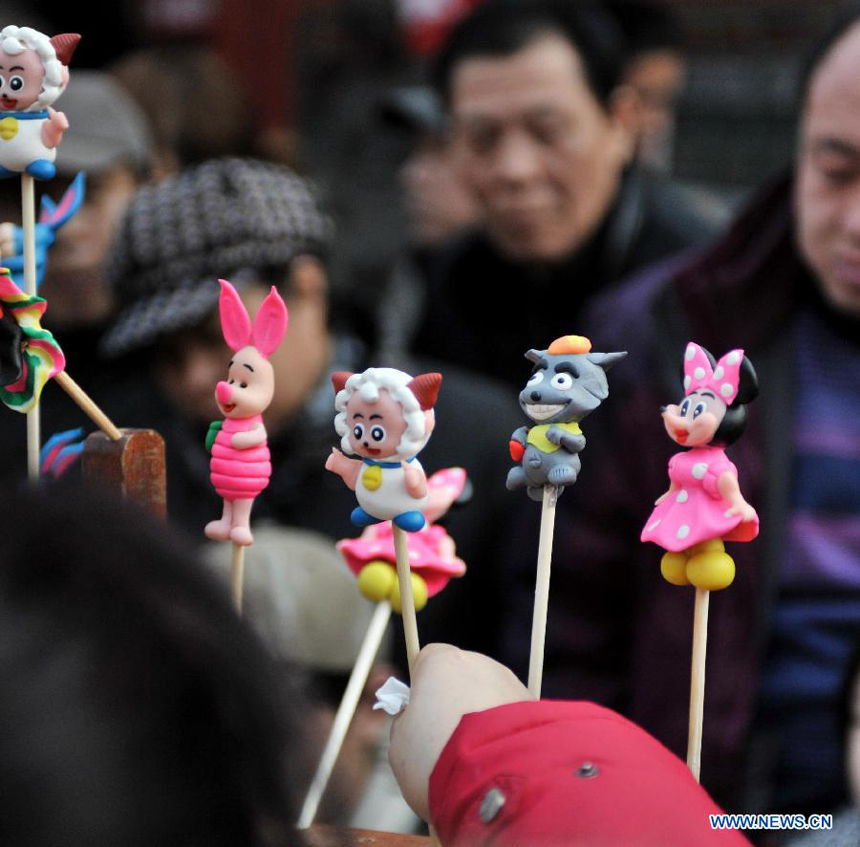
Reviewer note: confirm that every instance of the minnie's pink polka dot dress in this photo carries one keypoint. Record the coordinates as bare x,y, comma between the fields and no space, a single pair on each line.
696,512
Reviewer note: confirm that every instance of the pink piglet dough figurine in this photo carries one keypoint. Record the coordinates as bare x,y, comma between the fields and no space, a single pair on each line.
33,74
704,505
385,417
240,466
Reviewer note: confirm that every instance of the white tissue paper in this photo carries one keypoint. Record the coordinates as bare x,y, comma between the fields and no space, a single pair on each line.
393,696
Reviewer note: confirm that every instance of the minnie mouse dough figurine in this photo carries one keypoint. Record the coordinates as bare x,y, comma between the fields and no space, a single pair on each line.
385,417
704,506
240,466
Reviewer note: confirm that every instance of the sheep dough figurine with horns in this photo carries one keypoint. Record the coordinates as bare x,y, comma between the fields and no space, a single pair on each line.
385,417
33,74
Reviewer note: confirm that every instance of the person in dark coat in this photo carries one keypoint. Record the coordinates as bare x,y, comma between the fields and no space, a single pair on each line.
544,132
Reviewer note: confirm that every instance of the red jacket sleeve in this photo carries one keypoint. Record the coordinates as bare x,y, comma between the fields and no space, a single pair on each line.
558,773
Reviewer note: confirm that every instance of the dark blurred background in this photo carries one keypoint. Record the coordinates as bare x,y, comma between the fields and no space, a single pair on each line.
310,74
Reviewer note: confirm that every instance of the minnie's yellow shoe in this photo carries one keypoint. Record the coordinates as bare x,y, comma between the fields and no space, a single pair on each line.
673,566
419,593
710,567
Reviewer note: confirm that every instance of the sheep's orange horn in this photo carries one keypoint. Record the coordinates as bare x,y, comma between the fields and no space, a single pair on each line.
64,44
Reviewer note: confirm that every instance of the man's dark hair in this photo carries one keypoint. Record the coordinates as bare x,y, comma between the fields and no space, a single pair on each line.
647,25
500,28
137,708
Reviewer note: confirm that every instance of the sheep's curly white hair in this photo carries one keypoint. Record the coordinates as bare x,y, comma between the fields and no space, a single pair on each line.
368,384
17,39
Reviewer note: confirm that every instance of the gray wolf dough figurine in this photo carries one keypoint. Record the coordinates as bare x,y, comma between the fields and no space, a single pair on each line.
567,383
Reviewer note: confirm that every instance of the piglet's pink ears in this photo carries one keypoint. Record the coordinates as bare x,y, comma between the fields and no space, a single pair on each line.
268,328
235,323
64,45
425,387
270,323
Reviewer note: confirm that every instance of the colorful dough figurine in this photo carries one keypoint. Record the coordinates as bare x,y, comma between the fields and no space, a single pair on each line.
567,383
33,74
29,354
240,466
384,416
432,553
704,505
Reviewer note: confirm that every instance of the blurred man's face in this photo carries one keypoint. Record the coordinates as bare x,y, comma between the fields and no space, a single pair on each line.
657,76
827,193
438,204
542,156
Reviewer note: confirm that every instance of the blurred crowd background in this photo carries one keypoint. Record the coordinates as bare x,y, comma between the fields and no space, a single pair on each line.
300,82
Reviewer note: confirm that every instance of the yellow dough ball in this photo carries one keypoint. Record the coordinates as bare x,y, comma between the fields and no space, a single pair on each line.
712,570
419,594
673,566
375,581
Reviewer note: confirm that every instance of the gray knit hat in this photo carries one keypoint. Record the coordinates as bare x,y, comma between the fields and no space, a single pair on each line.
230,218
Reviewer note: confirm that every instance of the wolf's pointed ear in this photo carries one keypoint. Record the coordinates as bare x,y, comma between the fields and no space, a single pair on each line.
425,387
606,360
338,380
534,356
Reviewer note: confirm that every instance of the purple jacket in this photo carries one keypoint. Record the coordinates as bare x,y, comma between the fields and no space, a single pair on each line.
618,633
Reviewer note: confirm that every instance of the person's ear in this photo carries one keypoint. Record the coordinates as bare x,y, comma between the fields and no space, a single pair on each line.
307,277
625,114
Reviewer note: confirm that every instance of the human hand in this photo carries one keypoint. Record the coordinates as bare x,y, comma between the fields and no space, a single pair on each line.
447,683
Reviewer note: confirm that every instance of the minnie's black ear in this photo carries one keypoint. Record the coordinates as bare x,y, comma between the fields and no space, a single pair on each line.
747,383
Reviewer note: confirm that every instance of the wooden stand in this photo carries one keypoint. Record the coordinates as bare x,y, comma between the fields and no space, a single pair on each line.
132,466
334,836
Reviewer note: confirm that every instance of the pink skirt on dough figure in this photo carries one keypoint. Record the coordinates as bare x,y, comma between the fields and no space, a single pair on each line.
696,512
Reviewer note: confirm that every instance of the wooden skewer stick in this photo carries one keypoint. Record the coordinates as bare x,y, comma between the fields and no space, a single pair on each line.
346,711
237,576
407,602
95,414
410,621
544,565
28,224
697,681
